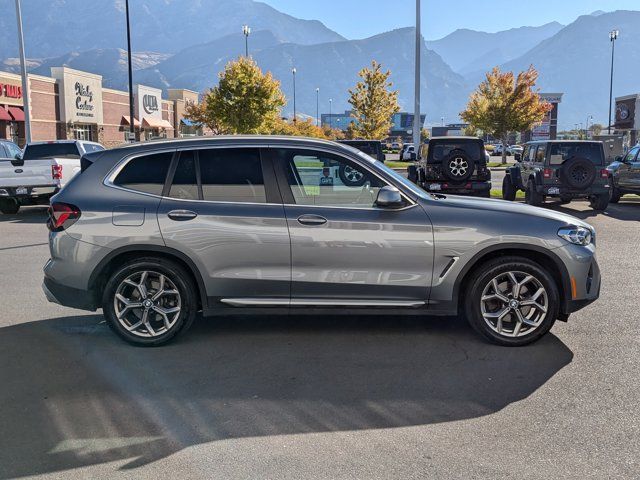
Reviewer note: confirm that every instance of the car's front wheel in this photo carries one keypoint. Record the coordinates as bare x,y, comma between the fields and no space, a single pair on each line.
147,302
512,301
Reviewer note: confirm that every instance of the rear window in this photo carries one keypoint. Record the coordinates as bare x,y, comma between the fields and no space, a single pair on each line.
439,151
145,174
47,150
561,152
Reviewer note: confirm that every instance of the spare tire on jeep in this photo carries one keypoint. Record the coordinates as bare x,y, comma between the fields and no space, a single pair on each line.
457,166
578,173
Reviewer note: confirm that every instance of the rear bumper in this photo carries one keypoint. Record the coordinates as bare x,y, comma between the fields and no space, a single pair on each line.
34,193
67,296
560,191
468,188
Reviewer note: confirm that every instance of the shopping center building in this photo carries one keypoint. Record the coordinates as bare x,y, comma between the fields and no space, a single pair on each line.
71,104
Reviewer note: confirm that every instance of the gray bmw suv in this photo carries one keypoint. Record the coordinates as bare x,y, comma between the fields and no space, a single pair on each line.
154,233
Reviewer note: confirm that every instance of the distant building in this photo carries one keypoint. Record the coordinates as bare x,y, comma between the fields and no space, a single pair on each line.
449,130
548,128
401,122
341,121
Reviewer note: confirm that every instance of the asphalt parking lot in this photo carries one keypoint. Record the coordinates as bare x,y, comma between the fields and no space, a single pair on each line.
332,397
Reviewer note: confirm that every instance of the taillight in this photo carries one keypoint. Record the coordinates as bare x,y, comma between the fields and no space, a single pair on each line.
604,173
56,172
62,215
547,172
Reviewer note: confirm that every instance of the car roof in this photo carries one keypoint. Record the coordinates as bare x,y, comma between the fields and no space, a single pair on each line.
538,142
456,137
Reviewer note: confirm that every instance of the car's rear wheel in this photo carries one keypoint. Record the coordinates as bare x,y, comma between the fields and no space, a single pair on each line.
512,301
508,188
614,193
532,197
149,301
350,176
9,206
599,202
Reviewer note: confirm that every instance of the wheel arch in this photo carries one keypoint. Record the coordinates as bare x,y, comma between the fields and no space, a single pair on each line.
545,258
120,256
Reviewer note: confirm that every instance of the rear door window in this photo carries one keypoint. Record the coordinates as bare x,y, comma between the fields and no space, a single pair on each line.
145,174
540,153
442,150
232,175
47,150
561,152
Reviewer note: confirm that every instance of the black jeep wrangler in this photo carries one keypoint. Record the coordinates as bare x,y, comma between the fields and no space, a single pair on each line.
562,169
456,165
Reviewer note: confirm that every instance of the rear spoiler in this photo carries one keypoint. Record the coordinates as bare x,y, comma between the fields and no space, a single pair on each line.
89,158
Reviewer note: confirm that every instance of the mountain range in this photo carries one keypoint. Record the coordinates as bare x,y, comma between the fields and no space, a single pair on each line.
181,44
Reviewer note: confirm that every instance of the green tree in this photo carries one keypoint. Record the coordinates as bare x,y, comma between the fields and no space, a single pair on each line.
596,129
245,99
197,113
504,103
373,103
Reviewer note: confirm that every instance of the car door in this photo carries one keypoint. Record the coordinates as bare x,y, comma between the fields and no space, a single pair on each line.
625,175
344,249
221,207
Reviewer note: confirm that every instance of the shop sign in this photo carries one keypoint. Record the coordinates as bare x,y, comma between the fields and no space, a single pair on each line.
10,91
81,94
148,103
625,113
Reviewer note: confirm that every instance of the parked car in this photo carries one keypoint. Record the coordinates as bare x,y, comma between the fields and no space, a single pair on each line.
33,177
497,150
373,148
456,165
624,175
515,149
153,233
395,147
406,152
564,169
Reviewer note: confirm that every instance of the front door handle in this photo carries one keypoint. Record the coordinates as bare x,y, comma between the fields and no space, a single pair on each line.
181,215
312,220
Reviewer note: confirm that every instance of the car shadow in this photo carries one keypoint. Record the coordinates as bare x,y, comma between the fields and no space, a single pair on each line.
626,210
73,394
36,214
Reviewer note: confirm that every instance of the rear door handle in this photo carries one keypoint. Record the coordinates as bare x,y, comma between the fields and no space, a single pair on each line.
312,220
181,215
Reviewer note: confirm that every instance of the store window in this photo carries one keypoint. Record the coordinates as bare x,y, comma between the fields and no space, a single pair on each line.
83,132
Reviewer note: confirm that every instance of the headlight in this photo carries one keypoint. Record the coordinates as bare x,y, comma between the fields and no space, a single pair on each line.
576,235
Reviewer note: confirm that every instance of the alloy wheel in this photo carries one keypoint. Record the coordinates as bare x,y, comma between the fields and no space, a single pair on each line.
147,304
458,167
514,304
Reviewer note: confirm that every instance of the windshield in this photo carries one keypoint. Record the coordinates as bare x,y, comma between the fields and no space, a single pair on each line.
47,150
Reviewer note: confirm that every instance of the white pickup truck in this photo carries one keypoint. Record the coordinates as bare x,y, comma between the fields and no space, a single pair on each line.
32,177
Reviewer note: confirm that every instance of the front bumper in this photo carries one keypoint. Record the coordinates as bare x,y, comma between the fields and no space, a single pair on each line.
582,287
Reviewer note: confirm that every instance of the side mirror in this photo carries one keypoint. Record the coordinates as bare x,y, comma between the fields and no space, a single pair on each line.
518,157
17,161
389,197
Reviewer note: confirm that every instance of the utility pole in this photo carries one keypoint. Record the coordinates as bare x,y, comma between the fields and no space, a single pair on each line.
293,72
317,106
613,36
25,80
330,115
132,130
246,30
417,126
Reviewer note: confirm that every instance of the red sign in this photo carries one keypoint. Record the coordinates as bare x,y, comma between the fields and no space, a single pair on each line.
10,91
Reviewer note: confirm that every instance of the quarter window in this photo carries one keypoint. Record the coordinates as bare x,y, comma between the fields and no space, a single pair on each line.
145,174
540,153
185,180
232,175
318,178
631,156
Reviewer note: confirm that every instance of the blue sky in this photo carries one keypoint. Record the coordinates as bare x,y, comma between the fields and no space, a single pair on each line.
363,18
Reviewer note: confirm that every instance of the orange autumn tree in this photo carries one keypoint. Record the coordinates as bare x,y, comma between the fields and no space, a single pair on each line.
503,103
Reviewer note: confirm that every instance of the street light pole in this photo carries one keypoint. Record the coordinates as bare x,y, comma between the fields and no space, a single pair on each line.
586,128
132,131
293,72
246,30
330,115
25,80
317,107
417,127
613,36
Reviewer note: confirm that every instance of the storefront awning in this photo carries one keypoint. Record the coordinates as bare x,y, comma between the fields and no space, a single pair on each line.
17,113
4,115
189,123
156,123
125,121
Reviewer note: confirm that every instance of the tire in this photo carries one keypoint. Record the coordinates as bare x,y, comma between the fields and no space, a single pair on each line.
350,176
412,173
564,200
482,310
509,190
614,193
578,173
176,280
599,202
532,197
9,206
457,166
